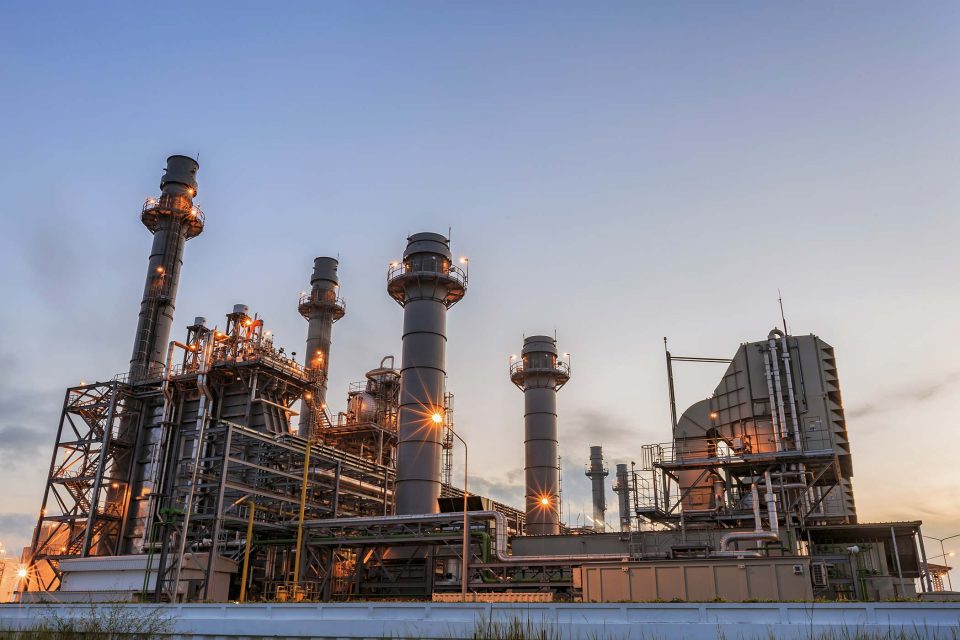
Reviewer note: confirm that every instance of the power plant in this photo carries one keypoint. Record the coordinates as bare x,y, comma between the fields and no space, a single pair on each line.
213,470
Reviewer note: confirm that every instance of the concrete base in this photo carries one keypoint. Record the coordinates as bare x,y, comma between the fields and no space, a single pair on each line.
123,579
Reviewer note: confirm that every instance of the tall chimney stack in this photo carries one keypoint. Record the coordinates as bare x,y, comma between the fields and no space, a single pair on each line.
321,307
426,283
539,373
172,219
621,486
597,472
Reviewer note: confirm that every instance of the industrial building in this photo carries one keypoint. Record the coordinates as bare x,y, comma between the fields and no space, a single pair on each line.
212,470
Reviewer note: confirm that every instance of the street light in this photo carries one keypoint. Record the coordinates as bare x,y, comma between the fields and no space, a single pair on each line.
944,555
437,418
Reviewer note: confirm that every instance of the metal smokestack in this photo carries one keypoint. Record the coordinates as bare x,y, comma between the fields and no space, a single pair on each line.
621,487
597,472
321,307
173,219
425,284
540,374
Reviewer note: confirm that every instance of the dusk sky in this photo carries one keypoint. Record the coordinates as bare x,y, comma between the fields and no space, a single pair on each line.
616,172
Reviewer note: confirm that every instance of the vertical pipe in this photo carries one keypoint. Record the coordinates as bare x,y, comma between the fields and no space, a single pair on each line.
773,403
926,565
775,366
791,394
303,505
425,284
321,308
771,504
896,557
597,473
673,395
246,553
540,374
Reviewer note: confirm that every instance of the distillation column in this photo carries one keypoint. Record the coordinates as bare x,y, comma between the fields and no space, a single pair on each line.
597,472
539,373
173,219
425,284
621,486
321,307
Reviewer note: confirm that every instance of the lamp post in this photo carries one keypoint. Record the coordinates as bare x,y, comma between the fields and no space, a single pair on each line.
438,419
943,555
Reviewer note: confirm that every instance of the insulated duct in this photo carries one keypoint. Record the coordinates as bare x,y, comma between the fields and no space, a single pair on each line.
539,373
425,284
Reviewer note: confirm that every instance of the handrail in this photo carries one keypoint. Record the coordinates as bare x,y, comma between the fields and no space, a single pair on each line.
401,269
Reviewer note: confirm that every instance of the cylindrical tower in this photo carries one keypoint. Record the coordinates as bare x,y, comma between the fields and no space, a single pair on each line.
621,487
539,373
321,307
597,472
173,219
426,283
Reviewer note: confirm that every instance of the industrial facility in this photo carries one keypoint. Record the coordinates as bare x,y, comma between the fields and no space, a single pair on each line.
212,470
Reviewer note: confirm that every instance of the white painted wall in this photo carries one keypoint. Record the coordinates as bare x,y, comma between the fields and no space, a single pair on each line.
432,620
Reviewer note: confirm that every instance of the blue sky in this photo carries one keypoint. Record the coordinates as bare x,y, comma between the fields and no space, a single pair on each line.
617,172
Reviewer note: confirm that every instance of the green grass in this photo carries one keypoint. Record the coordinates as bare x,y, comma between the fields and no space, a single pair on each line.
97,623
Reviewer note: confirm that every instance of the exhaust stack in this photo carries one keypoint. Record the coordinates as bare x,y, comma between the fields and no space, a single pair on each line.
172,219
321,307
425,284
621,487
539,373
597,472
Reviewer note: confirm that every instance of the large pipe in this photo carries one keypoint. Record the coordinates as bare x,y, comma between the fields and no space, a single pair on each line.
173,219
597,472
777,440
321,308
454,520
775,366
622,489
425,284
788,367
539,373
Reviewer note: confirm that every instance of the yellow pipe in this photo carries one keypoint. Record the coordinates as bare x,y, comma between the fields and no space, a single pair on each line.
246,554
303,504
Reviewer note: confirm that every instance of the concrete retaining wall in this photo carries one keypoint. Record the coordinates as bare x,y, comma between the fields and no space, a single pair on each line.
568,621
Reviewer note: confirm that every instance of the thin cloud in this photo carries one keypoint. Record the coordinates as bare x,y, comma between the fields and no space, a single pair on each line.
899,398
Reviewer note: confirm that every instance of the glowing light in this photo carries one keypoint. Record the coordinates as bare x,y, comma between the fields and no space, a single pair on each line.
464,260
545,501
268,333
22,573
713,415
308,396
437,417
159,269
513,356
248,322
115,485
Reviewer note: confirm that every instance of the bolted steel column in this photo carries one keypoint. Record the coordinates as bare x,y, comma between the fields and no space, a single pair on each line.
425,284
173,219
539,373
321,307
597,472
